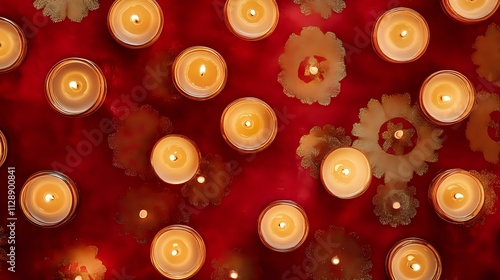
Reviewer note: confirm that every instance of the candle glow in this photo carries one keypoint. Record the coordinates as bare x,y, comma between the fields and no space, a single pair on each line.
412,259
13,45
251,19
470,11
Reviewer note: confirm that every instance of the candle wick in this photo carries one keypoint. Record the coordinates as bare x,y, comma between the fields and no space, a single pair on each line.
346,171
403,34
445,98
203,70
175,252
49,197
415,266
282,225
173,157
135,19
248,123
252,12
458,196
74,85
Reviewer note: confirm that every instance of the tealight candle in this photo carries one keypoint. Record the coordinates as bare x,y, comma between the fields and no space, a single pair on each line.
447,97
13,45
249,124
175,159
470,11
251,19
400,35
135,23
346,173
49,199
456,195
75,87
178,252
199,73
283,226
3,148
413,258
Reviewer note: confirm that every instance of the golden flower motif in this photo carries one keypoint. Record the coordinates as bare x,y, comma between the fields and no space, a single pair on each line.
312,66
236,265
318,143
211,184
487,55
135,137
58,10
396,167
338,255
322,7
147,208
490,182
81,262
395,204
477,126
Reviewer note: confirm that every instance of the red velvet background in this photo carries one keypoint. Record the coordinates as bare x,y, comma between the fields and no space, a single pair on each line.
38,136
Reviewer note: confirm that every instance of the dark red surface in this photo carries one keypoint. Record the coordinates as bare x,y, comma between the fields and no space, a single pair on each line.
38,136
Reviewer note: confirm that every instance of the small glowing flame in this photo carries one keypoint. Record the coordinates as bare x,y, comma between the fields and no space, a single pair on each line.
49,197
248,124
346,171
415,266
135,19
398,134
233,274
313,70
335,260
203,70
445,98
396,205
143,214
73,85
282,225
173,157
175,252
403,34
252,13
78,277
200,179
458,196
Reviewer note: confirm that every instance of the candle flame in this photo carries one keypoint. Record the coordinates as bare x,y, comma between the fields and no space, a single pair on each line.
143,214
252,13
415,266
398,134
200,179
73,85
175,252
313,70
173,157
282,225
49,197
346,171
233,274
445,98
203,70
410,258
396,205
248,124
403,33
78,277
135,19
458,196
335,260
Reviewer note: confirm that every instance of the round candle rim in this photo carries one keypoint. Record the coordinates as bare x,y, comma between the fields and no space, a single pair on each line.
75,194
198,153
264,145
286,203
4,148
410,241
448,9
188,51
438,179
196,236
379,51
24,46
248,38
368,181
101,95
468,109
138,46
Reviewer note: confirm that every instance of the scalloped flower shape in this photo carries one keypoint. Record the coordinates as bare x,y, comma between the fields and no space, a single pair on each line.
487,54
322,7
58,10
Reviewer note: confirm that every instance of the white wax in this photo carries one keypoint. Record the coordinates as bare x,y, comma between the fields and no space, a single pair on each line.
249,30
473,9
